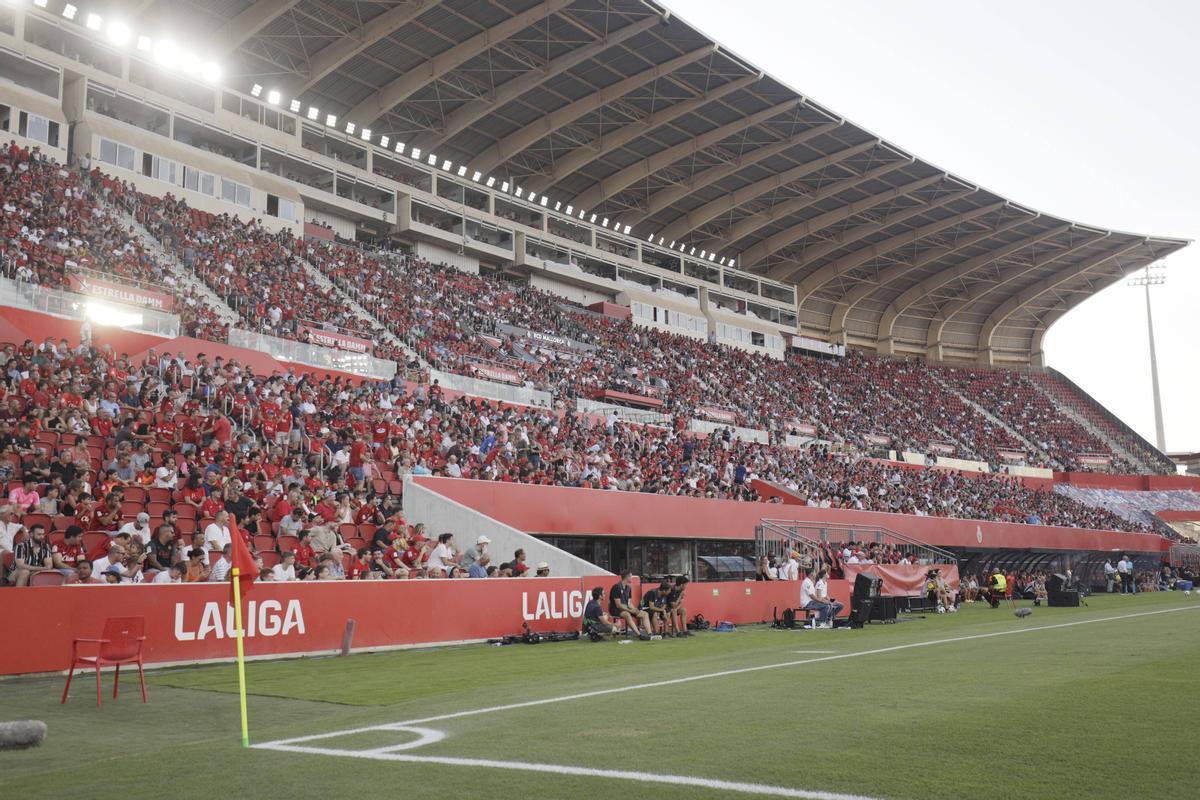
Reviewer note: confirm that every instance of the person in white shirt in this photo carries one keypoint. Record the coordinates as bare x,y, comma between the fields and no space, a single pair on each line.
172,575
8,533
216,535
790,571
285,570
138,529
441,560
1110,575
165,477
822,596
808,599
220,570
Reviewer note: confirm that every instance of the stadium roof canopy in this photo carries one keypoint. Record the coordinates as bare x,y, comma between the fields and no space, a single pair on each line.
620,107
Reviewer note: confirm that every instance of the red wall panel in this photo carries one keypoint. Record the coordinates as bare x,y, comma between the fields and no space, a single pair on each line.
560,510
192,622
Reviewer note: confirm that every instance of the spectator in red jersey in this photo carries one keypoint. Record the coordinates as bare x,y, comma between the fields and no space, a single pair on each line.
67,555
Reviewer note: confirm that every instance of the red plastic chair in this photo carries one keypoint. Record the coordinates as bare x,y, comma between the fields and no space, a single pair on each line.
51,578
120,643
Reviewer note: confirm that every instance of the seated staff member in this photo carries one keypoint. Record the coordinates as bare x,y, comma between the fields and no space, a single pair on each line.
822,588
999,587
620,606
595,621
676,611
654,606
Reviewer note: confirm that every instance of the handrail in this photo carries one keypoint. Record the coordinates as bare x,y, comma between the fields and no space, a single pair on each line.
818,533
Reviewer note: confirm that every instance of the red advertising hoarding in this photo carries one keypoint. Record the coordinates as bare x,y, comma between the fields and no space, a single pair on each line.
494,373
902,580
121,293
194,622
336,339
715,414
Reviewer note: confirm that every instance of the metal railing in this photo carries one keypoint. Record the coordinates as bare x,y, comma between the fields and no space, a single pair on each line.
1185,554
314,355
775,538
776,534
492,390
99,312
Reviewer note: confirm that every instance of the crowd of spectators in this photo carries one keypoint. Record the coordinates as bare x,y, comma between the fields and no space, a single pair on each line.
180,426
52,227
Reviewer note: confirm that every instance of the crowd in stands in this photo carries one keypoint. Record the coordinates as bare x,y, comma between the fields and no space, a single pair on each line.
168,422
52,227
452,318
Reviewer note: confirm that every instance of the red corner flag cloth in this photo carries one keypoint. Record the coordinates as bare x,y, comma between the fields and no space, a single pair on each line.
243,561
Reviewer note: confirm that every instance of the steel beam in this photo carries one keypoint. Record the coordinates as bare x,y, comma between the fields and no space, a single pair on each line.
397,91
582,156
835,268
942,277
237,31
468,114
865,288
665,198
614,183
722,205
951,309
791,235
518,140
1031,293
326,60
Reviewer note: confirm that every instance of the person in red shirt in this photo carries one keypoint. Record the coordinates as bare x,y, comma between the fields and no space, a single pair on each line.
222,430
70,552
360,566
305,555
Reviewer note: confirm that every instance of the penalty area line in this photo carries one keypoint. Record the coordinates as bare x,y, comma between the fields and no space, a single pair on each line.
761,789
722,674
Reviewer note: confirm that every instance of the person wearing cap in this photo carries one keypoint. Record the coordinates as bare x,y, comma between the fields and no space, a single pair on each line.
138,529
473,554
542,570
112,575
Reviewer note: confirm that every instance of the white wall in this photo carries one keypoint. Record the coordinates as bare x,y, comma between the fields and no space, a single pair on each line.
442,255
442,515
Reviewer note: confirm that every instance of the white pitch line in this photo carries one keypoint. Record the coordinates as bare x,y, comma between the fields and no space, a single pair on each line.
761,789
814,652
709,675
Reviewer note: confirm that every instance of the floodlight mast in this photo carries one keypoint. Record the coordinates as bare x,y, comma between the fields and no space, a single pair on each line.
1155,275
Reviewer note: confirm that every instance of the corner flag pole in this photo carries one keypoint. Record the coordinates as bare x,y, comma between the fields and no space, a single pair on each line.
241,654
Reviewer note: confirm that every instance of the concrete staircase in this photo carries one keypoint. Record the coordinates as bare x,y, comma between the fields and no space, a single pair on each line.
1031,447
321,280
1112,444
184,276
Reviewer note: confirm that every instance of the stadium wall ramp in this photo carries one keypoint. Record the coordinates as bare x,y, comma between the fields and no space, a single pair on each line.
441,514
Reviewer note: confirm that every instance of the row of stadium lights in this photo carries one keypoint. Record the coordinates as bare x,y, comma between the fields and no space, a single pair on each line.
164,52
168,56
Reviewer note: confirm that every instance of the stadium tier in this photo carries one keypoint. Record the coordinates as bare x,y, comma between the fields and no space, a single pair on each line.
307,315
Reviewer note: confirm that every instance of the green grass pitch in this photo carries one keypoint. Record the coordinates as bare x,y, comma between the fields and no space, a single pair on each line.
940,707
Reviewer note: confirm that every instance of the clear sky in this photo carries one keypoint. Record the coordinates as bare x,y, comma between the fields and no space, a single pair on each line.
1088,109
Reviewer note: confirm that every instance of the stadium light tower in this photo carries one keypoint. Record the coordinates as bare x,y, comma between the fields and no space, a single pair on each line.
1155,275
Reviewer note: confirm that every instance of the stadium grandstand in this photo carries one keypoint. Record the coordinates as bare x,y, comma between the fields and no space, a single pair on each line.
551,290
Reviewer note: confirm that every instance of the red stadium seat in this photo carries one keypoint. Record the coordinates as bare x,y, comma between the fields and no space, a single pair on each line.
157,495
264,543
50,578
269,558
61,523
135,494
29,520
286,543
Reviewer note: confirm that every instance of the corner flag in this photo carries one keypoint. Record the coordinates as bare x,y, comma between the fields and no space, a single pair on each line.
241,580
